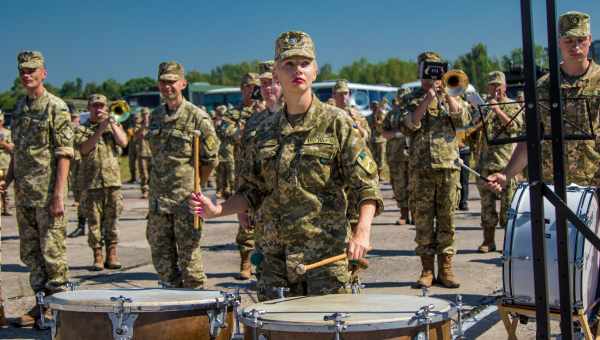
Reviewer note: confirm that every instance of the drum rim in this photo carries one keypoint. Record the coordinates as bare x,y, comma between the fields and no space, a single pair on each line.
351,326
57,303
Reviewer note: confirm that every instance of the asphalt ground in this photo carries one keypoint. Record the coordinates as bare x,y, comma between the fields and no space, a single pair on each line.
393,264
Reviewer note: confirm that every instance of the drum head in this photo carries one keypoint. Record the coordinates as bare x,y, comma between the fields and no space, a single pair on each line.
142,300
367,312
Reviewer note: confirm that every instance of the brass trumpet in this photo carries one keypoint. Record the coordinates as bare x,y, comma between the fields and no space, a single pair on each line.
120,110
456,82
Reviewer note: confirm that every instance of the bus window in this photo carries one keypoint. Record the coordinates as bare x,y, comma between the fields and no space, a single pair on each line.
374,95
323,93
360,98
234,99
211,101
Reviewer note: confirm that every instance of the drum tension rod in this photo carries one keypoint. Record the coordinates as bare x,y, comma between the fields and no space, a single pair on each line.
122,321
236,300
41,302
254,314
281,291
459,321
216,318
340,324
424,317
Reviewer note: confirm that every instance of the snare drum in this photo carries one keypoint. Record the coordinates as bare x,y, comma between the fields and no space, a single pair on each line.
518,252
349,317
148,314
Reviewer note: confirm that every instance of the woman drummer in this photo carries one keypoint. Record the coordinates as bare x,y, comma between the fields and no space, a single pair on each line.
304,157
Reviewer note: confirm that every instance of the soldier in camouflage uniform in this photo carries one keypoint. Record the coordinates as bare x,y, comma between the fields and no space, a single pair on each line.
174,242
43,138
245,235
501,121
143,149
580,79
225,129
305,157
397,155
6,149
377,142
341,96
431,123
74,181
99,141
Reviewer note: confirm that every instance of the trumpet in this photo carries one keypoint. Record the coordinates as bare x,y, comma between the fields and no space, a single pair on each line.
120,110
456,82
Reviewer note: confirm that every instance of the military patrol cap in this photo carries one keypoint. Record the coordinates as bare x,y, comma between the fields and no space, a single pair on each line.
220,110
266,69
341,86
170,71
429,56
250,78
97,98
30,59
144,110
496,77
574,24
294,44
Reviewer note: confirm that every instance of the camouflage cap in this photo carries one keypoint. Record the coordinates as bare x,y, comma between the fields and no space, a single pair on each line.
496,77
30,59
341,86
429,56
170,71
250,78
220,110
402,92
97,98
266,69
294,44
574,24
144,110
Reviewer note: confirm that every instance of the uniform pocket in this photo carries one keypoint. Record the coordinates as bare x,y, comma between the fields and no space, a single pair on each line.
316,164
179,144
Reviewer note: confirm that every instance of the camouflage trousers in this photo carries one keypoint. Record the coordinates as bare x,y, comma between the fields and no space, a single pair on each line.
132,155
175,247
43,248
101,208
225,178
73,185
434,196
245,238
378,151
489,213
278,269
144,170
399,180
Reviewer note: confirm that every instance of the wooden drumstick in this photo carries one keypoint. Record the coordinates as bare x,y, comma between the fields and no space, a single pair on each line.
196,172
302,268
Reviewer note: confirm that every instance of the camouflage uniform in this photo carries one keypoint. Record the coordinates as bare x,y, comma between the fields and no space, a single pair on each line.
132,155
144,154
377,142
42,133
226,129
397,156
174,242
100,181
494,158
4,163
297,187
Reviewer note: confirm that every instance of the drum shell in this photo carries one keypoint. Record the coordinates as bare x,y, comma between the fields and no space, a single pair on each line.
182,325
518,253
437,331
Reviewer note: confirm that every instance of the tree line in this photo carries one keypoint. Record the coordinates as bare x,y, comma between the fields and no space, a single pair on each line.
476,63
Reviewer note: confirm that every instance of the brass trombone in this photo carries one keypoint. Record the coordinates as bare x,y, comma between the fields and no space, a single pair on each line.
456,82
120,110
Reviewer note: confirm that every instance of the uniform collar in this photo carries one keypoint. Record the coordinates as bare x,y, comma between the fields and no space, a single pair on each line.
172,117
310,118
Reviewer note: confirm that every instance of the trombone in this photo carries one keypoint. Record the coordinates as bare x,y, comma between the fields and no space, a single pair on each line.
120,110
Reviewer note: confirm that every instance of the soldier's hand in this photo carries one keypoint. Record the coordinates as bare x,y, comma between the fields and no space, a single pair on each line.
57,206
358,246
496,182
202,206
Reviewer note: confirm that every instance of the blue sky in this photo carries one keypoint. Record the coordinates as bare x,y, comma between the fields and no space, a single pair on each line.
97,40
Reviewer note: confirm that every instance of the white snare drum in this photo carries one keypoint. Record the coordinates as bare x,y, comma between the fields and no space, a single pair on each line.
518,251
362,316
141,314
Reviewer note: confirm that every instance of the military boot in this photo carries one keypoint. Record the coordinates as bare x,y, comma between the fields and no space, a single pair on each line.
28,319
489,244
426,278
404,218
3,321
5,211
245,266
112,260
445,274
98,260
80,231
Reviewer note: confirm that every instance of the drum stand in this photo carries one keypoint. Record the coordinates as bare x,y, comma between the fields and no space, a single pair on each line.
506,310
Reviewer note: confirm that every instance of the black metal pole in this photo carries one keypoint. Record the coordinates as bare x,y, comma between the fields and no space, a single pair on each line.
534,168
558,163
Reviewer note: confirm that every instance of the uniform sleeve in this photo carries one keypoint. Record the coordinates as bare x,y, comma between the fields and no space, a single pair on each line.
358,167
63,134
251,183
516,125
210,143
462,117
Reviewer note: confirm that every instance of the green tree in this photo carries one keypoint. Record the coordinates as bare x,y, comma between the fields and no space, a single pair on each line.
111,89
326,73
138,85
195,76
477,64
91,88
515,57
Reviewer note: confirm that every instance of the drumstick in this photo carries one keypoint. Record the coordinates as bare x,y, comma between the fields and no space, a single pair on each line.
460,162
302,268
196,172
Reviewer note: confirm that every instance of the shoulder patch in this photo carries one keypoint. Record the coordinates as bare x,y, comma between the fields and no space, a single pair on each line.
211,142
366,162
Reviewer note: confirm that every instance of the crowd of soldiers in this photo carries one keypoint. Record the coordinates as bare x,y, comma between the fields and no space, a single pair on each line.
301,175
